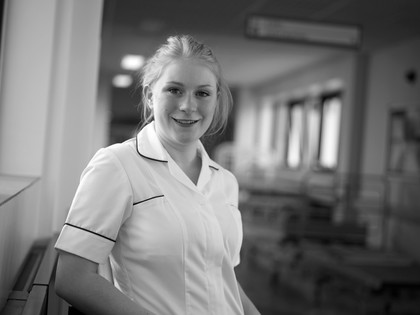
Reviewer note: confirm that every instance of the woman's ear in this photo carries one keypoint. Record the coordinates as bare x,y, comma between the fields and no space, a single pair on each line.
148,93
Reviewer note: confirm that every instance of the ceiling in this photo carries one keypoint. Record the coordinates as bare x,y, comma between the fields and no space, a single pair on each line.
135,26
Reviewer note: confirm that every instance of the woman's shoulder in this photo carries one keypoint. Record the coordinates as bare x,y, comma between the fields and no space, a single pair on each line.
119,149
117,153
228,175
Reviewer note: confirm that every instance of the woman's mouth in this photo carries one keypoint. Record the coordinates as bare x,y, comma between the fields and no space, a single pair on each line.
185,122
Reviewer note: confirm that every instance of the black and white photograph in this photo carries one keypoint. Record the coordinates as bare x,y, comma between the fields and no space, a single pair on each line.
209,157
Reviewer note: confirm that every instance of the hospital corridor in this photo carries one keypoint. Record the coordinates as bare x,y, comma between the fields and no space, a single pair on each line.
304,201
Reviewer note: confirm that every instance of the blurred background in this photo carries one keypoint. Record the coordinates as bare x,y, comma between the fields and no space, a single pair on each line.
324,137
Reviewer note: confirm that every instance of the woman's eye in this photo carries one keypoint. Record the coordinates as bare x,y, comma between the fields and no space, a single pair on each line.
174,91
203,93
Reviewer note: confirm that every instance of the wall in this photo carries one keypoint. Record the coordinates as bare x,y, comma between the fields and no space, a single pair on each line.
102,114
342,69
73,106
372,85
403,217
50,65
26,78
245,129
389,89
48,96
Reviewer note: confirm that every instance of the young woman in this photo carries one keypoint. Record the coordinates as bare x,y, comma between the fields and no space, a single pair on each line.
162,212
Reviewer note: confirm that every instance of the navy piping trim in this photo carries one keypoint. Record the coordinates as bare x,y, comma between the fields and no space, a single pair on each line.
78,227
146,157
213,167
138,202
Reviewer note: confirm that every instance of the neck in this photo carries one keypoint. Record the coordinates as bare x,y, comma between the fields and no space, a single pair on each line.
187,158
182,154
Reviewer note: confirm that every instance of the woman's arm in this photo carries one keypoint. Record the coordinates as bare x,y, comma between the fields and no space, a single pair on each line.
249,307
78,282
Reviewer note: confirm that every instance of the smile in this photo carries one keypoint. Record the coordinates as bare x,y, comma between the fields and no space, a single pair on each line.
185,122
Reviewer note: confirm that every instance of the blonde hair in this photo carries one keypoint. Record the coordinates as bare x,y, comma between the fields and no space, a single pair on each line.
185,47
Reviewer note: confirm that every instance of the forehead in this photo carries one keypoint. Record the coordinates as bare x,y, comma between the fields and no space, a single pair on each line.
188,71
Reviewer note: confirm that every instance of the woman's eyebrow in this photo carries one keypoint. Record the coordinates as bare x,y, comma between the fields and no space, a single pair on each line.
174,82
205,85
199,86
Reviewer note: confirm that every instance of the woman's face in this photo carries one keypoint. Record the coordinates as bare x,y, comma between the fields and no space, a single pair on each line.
183,101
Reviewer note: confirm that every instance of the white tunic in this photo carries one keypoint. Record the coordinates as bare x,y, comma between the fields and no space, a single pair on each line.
172,245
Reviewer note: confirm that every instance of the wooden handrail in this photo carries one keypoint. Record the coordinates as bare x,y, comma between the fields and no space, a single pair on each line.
33,299
48,263
37,303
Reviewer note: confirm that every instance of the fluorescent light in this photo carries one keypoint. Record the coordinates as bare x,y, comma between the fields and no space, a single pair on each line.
122,81
303,31
132,62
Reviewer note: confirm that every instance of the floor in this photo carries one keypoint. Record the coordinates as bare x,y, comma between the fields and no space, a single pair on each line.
272,298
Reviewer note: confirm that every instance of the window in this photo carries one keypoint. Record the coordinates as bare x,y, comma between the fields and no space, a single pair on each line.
314,125
280,132
303,131
265,126
326,124
295,135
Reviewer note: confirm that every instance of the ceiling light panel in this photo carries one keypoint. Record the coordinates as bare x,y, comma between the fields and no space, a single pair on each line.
122,81
303,31
132,62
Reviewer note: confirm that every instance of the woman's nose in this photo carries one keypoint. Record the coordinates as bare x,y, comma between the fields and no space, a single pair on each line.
188,104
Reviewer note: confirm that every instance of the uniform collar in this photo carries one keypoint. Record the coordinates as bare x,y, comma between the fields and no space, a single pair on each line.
149,147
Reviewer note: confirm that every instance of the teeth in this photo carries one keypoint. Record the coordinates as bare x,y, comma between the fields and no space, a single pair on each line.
185,121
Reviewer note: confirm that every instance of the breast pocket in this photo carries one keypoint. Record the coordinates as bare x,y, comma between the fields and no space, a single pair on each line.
153,229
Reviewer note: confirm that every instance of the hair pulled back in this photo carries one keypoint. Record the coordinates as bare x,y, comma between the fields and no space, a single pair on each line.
186,47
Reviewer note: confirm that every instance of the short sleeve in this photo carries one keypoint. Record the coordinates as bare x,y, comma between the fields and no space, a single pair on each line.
102,202
232,189
236,259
